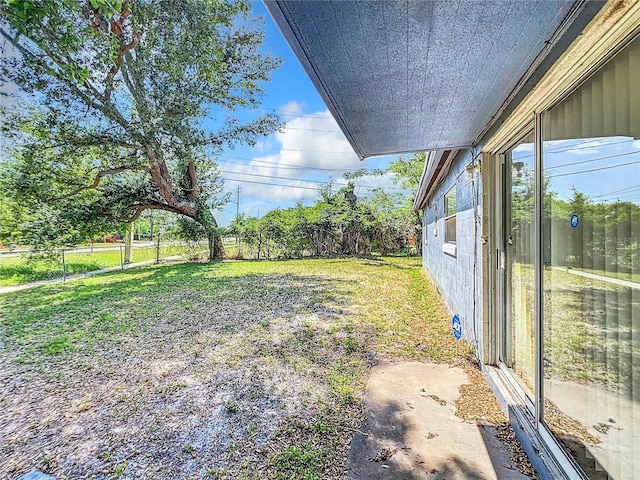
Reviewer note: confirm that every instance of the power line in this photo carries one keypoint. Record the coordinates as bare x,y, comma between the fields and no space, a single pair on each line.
287,127
629,196
583,146
288,165
634,187
304,180
596,169
591,160
326,116
308,151
241,180
586,145
272,184
271,176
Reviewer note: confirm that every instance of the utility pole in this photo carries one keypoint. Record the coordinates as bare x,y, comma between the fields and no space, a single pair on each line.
237,216
238,204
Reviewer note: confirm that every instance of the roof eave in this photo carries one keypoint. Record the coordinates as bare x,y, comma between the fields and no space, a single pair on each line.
435,170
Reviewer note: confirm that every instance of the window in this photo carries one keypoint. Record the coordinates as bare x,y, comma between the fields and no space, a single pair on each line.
450,216
450,210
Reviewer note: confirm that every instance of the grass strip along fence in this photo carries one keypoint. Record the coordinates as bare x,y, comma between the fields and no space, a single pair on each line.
17,268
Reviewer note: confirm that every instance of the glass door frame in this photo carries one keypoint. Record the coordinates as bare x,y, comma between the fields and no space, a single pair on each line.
498,303
501,213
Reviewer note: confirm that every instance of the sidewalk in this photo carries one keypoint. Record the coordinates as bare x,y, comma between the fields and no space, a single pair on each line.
25,286
411,430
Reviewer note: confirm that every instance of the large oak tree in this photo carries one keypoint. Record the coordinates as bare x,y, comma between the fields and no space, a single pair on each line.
130,103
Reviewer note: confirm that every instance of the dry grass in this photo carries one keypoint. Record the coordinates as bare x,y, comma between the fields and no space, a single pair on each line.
227,370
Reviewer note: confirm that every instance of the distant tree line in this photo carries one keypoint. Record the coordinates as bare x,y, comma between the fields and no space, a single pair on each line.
606,237
340,222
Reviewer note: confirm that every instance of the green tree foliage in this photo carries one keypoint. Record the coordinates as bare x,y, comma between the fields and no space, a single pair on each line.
605,239
341,223
408,170
338,223
122,98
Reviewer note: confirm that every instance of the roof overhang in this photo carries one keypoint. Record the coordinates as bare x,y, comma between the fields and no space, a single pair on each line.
407,75
435,170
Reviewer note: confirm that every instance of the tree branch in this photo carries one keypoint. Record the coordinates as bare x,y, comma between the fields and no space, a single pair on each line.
141,207
138,209
116,29
110,113
134,87
160,174
194,180
101,174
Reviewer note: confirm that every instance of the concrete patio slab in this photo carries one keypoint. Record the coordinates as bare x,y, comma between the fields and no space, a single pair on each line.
411,430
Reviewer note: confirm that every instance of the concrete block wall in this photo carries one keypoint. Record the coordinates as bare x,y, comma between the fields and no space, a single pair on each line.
459,277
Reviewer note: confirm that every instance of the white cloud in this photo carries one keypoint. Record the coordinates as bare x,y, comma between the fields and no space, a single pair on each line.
587,146
295,158
315,140
292,108
266,171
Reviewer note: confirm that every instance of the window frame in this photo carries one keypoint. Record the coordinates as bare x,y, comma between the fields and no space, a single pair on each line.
449,245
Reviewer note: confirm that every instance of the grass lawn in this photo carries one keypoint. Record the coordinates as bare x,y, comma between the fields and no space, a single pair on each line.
16,270
219,370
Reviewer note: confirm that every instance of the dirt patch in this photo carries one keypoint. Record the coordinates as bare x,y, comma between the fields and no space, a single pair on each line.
217,385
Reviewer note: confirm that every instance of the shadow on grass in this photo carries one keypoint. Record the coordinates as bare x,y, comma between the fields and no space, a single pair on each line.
59,317
211,366
380,261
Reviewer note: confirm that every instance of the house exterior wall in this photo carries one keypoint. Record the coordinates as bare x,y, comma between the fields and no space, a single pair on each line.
458,277
539,333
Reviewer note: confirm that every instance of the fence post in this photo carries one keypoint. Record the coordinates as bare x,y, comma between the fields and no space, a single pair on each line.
128,246
158,248
64,268
121,259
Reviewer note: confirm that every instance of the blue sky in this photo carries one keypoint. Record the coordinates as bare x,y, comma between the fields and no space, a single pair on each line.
606,169
288,167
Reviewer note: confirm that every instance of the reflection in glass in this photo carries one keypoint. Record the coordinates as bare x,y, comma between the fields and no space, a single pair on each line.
591,250
519,339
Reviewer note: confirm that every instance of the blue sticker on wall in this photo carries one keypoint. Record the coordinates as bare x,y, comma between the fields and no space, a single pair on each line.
575,221
456,325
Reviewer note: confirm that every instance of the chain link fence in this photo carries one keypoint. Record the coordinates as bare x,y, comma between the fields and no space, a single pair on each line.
24,266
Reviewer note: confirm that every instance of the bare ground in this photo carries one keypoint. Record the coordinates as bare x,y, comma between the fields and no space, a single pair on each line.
251,376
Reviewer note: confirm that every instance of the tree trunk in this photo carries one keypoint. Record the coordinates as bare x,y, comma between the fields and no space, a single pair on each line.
418,234
216,248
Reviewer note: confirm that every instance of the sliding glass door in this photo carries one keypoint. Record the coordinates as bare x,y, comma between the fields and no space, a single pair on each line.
582,284
591,159
518,262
